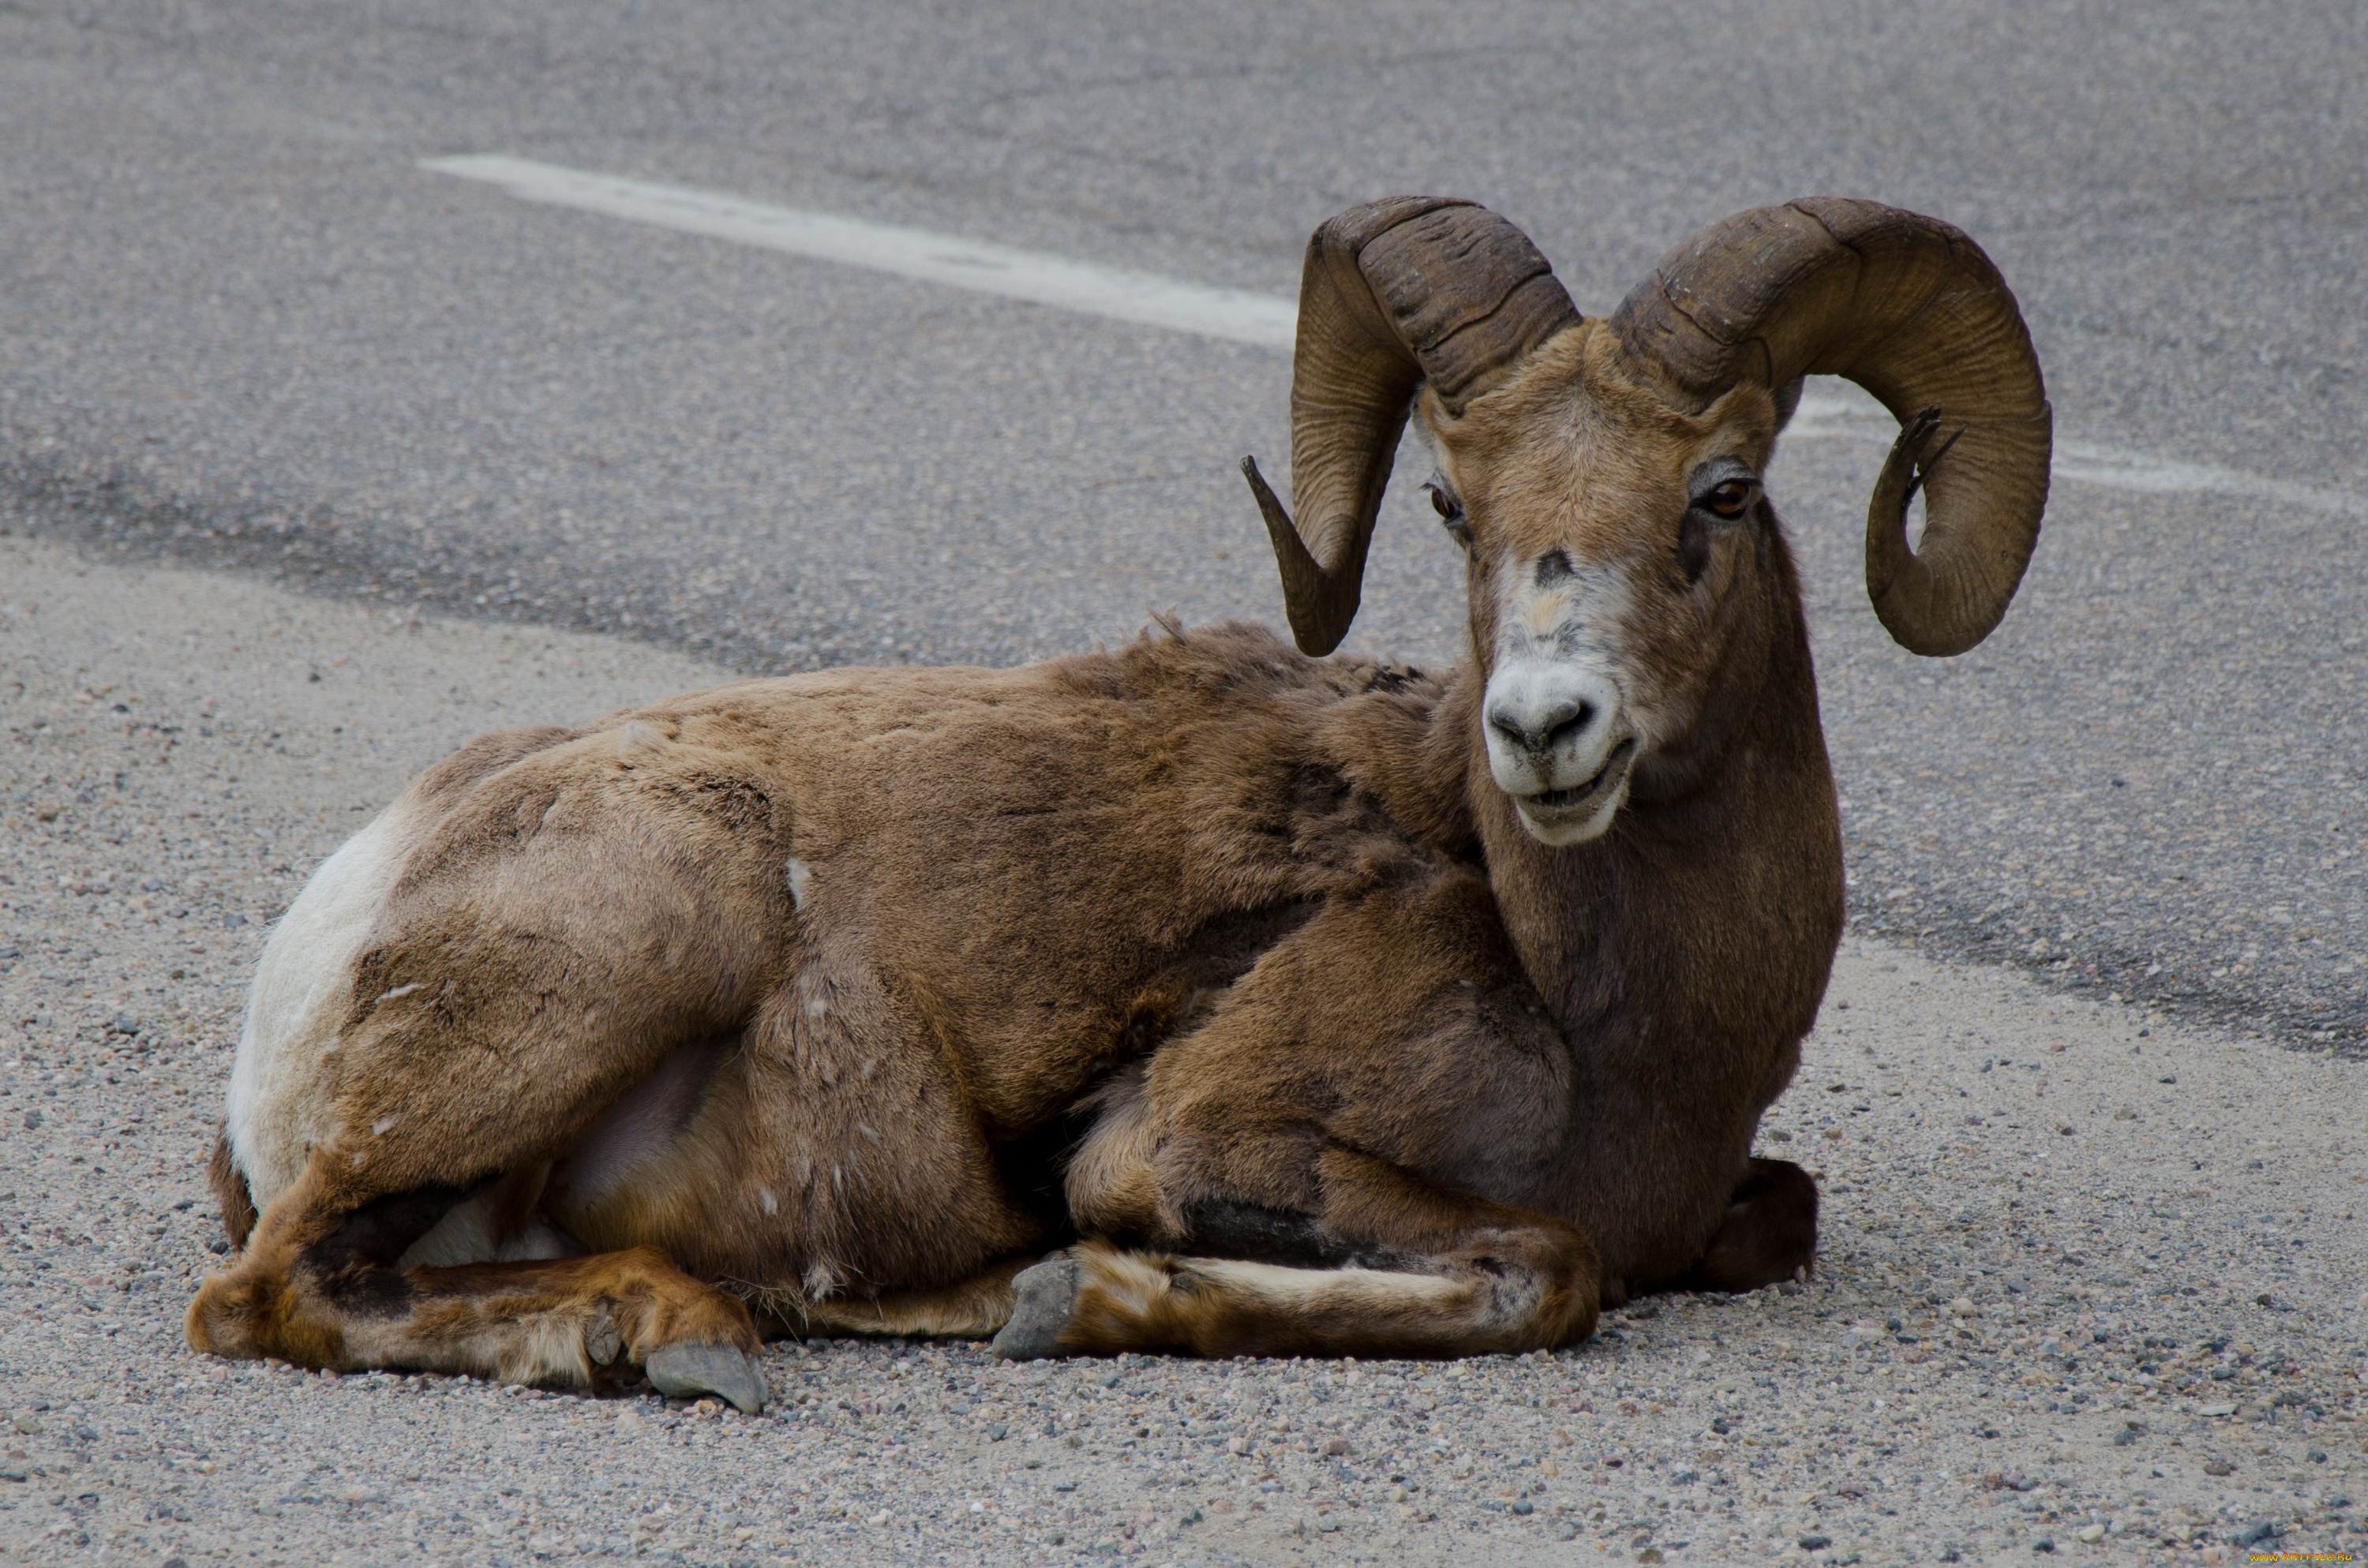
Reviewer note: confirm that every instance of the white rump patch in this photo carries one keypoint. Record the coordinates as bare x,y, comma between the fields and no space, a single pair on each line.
279,1105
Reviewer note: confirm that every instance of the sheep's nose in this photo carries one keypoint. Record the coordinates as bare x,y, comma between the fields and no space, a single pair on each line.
1539,727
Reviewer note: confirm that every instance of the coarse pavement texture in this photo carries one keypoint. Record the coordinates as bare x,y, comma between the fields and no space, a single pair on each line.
2091,1284
240,327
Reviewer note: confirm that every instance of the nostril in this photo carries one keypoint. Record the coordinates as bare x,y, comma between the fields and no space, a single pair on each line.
1571,728
1543,732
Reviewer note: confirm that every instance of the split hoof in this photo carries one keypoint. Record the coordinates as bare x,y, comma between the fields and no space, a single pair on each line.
1045,1297
602,1341
686,1371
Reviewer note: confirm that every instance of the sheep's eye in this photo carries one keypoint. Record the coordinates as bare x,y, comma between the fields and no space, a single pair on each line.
1450,507
1728,498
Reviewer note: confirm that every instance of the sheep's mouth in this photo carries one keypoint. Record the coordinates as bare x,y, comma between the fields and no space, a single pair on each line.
1558,803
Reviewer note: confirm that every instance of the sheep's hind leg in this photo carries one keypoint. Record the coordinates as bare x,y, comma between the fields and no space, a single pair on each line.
321,1286
971,1309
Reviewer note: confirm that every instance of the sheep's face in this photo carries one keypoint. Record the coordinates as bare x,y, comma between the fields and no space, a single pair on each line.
1618,557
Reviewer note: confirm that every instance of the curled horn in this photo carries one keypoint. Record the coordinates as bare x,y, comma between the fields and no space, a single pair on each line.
1911,310
1393,294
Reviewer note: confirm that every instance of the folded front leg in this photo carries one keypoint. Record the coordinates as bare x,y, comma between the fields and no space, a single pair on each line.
1389,1264
1280,1173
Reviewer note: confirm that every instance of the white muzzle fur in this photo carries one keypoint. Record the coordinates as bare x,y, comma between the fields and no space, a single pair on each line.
1560,734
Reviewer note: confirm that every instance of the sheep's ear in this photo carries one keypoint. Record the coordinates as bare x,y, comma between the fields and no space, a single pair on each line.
1788,399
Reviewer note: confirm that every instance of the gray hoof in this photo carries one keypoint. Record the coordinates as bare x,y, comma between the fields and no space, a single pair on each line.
1044,1299
602,1342
686,1371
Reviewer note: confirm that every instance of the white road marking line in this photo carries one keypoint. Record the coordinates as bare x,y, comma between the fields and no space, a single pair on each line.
2129,470
1855,417
1234,315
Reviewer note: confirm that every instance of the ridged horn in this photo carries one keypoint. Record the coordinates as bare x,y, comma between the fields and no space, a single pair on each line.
1911,310
1393,294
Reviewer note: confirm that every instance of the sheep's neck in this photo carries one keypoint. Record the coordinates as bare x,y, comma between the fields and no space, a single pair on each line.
1684,955
1701,925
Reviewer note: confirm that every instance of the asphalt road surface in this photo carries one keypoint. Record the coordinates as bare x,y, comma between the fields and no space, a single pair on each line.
241,325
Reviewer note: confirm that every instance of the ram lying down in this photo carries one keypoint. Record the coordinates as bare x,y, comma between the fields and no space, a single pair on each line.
1211,995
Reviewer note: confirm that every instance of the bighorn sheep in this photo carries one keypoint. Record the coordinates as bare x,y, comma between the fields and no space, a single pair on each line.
1325,1005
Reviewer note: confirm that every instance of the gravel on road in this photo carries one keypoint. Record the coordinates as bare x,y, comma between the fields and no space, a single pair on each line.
2089,1284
